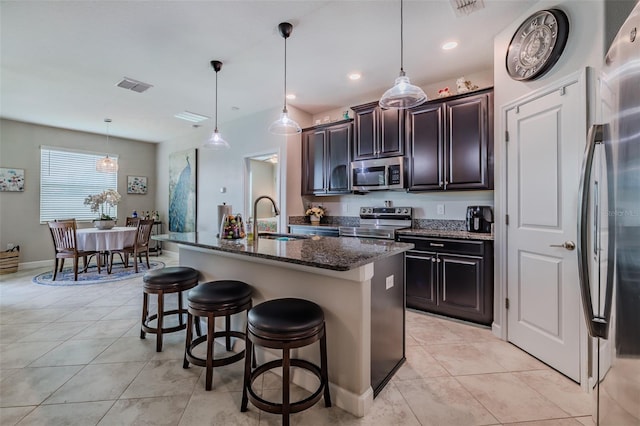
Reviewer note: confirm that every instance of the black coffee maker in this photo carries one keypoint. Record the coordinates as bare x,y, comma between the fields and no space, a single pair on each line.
479,218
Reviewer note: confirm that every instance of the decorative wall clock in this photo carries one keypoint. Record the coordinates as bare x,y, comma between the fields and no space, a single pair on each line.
537,44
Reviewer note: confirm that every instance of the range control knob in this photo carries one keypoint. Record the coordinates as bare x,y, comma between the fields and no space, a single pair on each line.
405,211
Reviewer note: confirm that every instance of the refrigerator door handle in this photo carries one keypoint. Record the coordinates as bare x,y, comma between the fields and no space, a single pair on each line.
597,325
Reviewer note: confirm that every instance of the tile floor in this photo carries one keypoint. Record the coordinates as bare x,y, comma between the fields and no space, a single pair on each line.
73,356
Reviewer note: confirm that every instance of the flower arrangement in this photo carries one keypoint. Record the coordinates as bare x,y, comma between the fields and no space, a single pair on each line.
103,202
317,211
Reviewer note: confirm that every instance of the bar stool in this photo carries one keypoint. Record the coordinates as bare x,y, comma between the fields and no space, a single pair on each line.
174,279
285,324
211,300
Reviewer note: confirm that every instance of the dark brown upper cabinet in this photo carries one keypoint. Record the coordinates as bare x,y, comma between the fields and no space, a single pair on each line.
377,132
326,158
450,143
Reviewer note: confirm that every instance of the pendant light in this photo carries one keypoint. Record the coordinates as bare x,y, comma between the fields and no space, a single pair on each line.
216,141
107,164
403,94
284,125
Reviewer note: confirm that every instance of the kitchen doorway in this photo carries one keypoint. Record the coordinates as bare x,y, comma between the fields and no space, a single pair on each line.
262,177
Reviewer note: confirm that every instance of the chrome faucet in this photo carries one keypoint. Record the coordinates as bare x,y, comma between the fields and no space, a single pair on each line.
255,213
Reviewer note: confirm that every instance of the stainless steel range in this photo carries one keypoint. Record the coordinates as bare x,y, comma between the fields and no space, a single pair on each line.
379,222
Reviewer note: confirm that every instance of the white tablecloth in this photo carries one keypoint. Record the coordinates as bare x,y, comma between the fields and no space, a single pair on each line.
93,239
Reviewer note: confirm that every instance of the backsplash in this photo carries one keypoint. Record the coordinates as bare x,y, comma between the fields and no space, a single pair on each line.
326,220
434,224
440,224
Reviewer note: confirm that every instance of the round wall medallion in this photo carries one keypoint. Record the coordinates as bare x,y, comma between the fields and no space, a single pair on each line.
537,44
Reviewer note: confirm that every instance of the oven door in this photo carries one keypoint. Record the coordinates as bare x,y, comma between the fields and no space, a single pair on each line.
378,232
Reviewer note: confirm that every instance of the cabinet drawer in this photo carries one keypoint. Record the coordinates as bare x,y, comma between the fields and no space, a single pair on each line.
475,248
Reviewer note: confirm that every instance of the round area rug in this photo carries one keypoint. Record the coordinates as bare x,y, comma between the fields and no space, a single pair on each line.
118,273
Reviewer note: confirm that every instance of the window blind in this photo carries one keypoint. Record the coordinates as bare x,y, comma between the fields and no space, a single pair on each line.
67,177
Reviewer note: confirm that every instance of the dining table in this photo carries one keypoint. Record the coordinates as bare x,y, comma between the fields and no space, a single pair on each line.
105,240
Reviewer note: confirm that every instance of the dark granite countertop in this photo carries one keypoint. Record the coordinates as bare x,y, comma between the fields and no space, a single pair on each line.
334,253
446,233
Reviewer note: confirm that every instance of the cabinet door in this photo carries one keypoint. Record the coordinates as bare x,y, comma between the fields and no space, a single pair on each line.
461,287
420,279
391,140
338,158
365,139
313,163
425,134
469,135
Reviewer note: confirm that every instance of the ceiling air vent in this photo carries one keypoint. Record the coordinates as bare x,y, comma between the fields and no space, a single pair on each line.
465,7
191,116
135,85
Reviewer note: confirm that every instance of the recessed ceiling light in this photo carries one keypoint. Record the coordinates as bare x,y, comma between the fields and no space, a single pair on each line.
355,76
291,96
450,45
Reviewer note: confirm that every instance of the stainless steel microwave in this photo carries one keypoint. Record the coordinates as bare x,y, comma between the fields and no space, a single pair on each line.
377,174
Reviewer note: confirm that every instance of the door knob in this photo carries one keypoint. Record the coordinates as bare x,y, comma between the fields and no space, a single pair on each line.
569,245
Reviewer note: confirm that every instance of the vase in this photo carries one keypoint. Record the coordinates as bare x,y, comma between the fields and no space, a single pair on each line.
104,224
315,220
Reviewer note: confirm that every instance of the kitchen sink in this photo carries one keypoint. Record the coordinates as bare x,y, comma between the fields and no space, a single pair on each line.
282,237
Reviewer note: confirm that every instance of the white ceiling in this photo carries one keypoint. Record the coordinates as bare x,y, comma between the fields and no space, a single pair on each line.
61,60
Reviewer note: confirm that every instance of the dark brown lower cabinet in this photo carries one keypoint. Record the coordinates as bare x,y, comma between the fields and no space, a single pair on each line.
450,277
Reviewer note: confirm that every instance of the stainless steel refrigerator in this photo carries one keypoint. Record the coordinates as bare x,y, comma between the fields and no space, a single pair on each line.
609,234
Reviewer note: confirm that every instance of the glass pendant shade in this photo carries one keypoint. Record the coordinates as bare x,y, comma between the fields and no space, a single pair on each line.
216,141
403,94
107,164
284,125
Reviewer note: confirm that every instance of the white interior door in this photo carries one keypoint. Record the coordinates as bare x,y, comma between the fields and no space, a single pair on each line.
546,141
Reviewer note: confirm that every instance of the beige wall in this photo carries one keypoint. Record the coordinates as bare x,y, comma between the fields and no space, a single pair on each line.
20,211
225,170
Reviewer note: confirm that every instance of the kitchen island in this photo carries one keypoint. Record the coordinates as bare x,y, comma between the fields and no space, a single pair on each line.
358,283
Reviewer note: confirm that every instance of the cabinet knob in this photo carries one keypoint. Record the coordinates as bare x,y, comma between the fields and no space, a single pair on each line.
433,260
438,260
441,183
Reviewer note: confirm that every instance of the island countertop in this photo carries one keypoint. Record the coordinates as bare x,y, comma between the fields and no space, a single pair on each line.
334,253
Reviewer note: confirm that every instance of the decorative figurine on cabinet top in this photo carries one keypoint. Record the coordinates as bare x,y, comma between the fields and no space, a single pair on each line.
444,93
464,85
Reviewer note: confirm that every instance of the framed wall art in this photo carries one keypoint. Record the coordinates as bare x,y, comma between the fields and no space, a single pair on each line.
136,184
182,191
11,180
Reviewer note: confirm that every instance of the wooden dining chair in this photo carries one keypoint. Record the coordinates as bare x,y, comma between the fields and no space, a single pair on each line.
65,242
132,222
141,245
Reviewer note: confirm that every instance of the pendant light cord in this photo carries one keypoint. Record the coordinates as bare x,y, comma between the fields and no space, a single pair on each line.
401,38
216,129
108,121
285,75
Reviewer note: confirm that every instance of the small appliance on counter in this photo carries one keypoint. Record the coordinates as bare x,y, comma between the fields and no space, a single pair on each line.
479,219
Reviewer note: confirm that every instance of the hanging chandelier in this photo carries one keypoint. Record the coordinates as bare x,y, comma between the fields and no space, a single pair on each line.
216,141
285,125
403,94
107,164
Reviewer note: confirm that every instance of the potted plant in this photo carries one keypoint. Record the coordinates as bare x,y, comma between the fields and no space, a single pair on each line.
102,203
315,214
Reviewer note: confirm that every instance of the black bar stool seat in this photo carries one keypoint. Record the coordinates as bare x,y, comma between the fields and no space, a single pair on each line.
173,279
211,300
285,324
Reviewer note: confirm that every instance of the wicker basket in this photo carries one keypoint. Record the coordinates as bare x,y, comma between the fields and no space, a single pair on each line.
9,260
